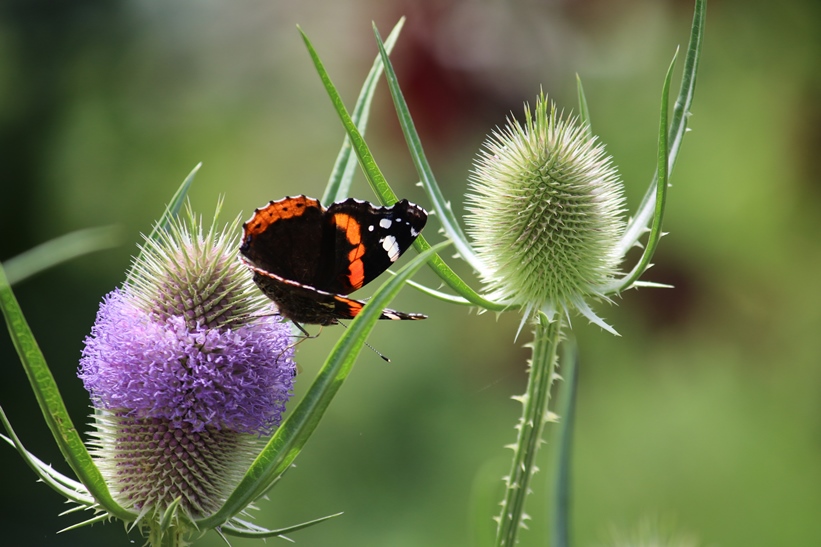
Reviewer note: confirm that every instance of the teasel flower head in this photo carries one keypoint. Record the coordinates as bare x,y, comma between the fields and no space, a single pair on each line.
188,370
545,211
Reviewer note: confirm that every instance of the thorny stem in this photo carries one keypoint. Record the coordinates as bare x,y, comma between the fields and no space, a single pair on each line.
535,415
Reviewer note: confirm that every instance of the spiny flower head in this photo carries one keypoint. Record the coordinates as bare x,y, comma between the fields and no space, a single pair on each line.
545,210
187,368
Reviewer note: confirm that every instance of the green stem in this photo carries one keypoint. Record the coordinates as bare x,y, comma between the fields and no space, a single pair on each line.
535,415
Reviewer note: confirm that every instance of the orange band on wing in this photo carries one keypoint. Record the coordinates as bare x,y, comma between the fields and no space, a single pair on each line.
350,227
354,307
356,273
352,230
278,210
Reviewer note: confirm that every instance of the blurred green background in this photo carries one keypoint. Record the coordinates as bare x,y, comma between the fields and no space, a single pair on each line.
706,411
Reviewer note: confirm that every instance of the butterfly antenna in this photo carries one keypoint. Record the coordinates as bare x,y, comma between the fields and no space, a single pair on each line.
373,349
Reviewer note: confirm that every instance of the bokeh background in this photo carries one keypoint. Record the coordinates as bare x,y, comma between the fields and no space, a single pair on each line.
704,415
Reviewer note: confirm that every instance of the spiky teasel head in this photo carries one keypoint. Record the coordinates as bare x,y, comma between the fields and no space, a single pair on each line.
545,210
187,369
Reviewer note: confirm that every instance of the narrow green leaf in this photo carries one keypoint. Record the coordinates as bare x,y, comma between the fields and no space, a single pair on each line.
172,209
61,249
167,519
584,111
446,216
294,432
382,189
684,101
262,533
174,206
51,403
339,183
439,295
453,281
366,160
61,484
660,194
93,520
650,284
678,126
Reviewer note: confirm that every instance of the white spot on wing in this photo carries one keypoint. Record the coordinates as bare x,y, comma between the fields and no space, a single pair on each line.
385,223
391,247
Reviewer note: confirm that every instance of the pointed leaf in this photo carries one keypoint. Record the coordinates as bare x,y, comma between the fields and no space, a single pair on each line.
584,111
172,209
660,194
339,183
167,519
231,530
366,160
449,221
174,206
678,125
93,520
61,249
51,403
439,295
63,485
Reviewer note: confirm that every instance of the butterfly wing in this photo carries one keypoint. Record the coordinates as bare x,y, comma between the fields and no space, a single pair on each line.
285,238
361,241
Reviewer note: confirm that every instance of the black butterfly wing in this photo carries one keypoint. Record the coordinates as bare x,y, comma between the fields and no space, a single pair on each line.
361,241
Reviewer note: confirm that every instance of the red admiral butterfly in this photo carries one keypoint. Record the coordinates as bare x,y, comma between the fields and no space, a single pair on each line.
306,257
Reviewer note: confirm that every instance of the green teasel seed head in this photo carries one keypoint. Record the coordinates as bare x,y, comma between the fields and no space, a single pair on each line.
546,210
